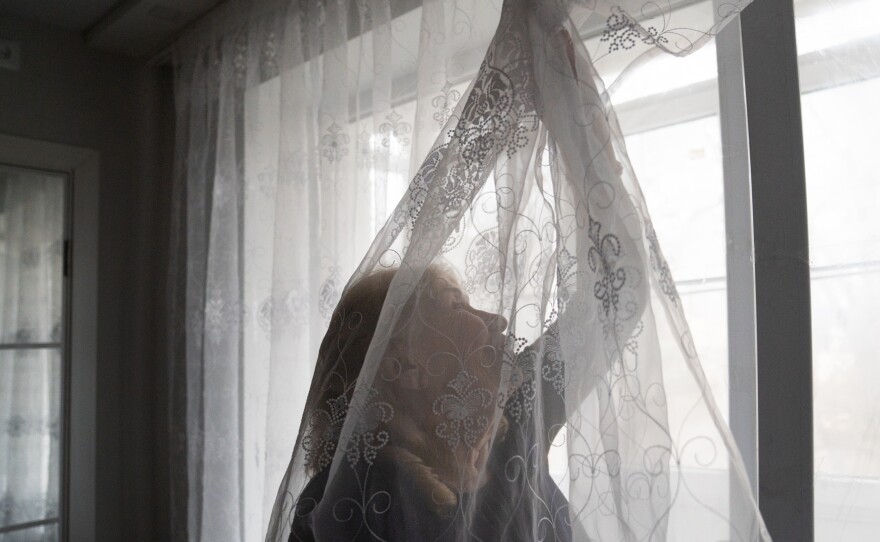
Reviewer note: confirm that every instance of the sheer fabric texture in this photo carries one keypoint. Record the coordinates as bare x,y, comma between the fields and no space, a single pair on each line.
492,368
296,126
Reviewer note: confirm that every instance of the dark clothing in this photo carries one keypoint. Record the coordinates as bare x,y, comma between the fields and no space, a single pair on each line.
393,510
519,502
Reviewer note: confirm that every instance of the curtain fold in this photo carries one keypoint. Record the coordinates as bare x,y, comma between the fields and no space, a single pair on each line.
297,122
301,125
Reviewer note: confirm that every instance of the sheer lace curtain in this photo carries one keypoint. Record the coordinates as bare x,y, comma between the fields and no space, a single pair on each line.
297,124
299,128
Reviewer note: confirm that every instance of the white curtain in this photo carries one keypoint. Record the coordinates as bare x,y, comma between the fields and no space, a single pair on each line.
31,228
300,125
297,124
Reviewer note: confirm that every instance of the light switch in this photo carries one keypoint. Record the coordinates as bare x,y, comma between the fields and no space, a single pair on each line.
10,55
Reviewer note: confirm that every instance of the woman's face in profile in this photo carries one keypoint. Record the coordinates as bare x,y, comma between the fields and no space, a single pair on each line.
456,352
453,329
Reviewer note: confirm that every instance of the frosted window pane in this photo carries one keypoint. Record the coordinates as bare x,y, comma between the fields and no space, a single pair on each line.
31,250
839,64
30,433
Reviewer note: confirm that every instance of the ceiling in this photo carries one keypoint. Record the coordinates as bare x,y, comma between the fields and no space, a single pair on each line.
136,28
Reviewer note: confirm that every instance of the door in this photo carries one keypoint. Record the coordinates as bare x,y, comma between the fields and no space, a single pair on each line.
33,352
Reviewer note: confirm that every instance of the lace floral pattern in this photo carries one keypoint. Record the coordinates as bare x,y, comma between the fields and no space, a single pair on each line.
335,143
622,32
395,130
325,426
328,295
325,429
464,423
221,314
511,194
498,116
444,103
553,368
518,401
291,308
659,265
368,437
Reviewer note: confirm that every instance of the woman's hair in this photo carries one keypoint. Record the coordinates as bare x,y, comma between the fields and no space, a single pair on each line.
340,361
341,358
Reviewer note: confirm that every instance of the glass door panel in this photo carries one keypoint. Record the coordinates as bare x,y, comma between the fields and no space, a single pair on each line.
30,439
31,252
32,233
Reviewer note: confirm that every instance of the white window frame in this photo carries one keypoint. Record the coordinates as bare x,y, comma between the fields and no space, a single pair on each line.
77,497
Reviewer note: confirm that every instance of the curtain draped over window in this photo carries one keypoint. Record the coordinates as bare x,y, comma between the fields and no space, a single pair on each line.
311,134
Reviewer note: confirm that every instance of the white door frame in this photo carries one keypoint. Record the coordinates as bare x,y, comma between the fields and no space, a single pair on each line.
77,503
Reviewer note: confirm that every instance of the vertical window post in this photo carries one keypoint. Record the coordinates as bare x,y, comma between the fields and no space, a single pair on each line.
742,350
782,272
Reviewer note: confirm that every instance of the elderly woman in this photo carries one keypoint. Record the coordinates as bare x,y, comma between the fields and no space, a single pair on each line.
448,450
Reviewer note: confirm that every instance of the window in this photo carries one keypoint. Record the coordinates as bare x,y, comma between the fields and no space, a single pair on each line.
838,44
32,352
677,151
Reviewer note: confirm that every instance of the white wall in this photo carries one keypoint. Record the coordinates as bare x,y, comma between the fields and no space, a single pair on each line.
67,93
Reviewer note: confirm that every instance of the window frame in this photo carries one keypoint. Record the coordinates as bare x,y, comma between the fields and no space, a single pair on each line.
768,276
61,345
783,464
77,509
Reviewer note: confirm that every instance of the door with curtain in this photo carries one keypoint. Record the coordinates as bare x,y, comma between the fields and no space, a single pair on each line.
33,352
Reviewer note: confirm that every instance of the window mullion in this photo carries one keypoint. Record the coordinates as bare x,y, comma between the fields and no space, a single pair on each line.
782,274
742,351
